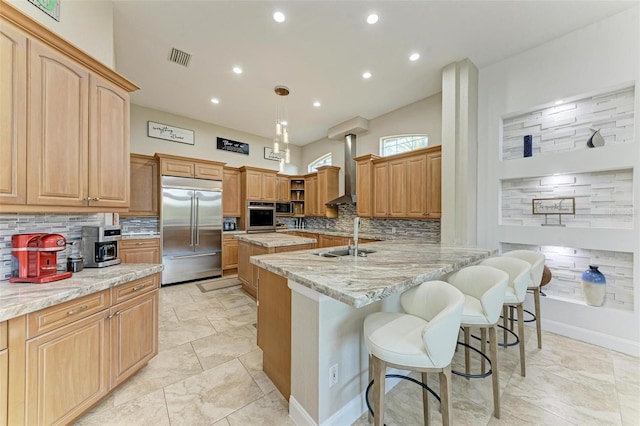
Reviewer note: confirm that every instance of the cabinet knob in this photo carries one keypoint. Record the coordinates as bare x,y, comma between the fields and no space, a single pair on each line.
87,199
96,199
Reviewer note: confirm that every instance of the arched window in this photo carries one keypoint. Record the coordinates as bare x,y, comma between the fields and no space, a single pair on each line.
390,145
325,160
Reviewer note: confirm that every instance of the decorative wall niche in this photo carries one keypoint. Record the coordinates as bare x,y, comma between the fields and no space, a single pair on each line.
567,264
566,127
602,199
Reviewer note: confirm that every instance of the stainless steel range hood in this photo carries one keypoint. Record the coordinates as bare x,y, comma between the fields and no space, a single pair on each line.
348,131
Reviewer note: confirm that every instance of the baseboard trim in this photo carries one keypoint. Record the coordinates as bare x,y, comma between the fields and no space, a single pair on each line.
298,414
615,343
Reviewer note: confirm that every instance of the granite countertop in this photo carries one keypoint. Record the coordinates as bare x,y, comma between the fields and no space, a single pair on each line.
395,267
338,233
274,239
140,236
22,298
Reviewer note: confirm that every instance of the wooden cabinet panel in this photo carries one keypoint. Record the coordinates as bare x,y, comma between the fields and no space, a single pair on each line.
231,193
229,252
171,165
208,171
143,186
135,288
269,187
283,184
416,186
396,193
327,190
67,371
108,144
134,335
381,185
175,167
244,270
140,251
364,186
311,195
434,185
13,115
4,386
253,185
58,122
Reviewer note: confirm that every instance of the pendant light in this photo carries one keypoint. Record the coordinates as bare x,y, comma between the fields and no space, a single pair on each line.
281,140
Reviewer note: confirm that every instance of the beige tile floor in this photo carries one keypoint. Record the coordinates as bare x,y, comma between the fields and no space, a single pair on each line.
209,372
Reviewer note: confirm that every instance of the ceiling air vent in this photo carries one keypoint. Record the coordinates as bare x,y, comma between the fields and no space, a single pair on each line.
179,57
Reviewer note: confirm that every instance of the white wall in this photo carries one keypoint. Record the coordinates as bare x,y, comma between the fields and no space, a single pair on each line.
421,117
86,24
594,59
205,141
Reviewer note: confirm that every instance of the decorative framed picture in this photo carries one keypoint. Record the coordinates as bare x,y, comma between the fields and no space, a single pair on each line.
170,133
562,205
233,146
270,155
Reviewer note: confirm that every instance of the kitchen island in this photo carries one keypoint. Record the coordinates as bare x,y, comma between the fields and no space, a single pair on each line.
330,297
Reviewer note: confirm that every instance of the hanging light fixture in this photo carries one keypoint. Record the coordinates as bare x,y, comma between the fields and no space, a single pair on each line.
281,141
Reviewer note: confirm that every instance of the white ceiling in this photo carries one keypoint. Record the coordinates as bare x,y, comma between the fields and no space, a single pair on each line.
320,53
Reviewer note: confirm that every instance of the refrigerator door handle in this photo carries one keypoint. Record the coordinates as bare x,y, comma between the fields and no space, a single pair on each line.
185,256
191,224
197,220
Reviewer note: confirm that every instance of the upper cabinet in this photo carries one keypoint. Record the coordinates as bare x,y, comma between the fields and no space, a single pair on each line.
144,186
171,165
283,191
311,194
231,192
406,185
69,114
327,190
258,184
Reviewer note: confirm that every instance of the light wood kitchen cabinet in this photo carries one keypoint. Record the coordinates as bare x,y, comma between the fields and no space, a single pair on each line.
434,184
311,195
229,254
390,179
13,119
231,192
144,250
69,114
171,165
416,185
144,180
364,185
297,195
134,330
4,374
327,190
258,184
283,184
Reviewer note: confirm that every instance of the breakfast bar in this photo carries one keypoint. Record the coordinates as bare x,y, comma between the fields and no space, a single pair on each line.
330,297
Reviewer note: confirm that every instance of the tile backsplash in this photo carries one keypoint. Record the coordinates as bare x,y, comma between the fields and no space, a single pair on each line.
67,225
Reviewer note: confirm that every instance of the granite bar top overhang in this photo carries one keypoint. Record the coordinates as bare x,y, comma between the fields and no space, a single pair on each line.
22,298
274,239
395,267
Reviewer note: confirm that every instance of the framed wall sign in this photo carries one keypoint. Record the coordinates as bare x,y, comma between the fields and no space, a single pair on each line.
270,155
233,146
50,7
170,133
565,205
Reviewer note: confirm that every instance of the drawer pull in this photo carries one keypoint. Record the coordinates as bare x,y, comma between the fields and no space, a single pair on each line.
77,310
138,287
139,244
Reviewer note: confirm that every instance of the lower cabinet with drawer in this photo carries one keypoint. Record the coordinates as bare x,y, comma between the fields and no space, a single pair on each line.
4,373
145,250
67,357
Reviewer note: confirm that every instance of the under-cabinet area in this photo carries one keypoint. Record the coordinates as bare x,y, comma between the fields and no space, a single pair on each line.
70,353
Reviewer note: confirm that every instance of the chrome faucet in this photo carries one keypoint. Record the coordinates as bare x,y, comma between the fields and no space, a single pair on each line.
356,226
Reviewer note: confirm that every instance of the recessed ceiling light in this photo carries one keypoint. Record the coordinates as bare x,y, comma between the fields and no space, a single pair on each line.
414,57
215,100
366,74
237,70
279,17
316,104
372,19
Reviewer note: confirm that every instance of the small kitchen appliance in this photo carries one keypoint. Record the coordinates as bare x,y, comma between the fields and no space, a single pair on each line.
34,258
100,246
75,262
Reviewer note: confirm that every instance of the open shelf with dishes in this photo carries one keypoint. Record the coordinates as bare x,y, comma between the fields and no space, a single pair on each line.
297,196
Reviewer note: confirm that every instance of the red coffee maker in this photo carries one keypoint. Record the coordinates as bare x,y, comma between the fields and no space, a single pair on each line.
34,258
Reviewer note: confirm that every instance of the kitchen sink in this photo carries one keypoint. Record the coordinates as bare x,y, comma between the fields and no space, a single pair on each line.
343,252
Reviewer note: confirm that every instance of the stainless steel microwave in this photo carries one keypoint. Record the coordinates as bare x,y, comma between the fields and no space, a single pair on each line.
261,217
284,209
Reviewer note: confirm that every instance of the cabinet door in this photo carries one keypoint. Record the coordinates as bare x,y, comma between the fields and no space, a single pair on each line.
140,251
284,188
381,194
144,186
134,335
311,196
269,186
13,116
434,185
108,144
58,140
321,190
208,171
364,190
397,188
67,371
253,184
229,253
231,198
4,374
416,186
244,267
173,167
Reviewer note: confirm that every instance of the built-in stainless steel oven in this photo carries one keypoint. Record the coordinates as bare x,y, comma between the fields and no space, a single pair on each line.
261,216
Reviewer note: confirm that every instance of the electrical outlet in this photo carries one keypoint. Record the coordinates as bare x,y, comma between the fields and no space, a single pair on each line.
333,375
393,229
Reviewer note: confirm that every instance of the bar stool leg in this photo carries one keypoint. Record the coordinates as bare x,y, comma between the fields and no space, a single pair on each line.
379,371
493,348
505,320
445,395
483,348
521,337
369,416
425,399
467,356
536,302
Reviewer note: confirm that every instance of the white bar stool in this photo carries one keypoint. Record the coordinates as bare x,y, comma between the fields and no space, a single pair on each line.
423,339
519,272
536,260
484,288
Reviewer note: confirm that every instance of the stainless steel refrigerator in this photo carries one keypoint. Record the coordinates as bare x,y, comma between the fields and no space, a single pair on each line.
191,229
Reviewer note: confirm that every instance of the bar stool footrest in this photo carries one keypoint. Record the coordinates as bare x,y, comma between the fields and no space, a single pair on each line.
397,376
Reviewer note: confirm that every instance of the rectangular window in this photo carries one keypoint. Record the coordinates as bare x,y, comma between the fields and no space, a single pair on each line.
391,145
